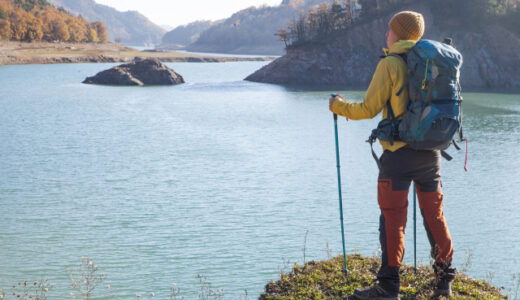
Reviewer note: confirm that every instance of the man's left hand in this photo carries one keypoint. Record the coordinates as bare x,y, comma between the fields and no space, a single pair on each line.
332,99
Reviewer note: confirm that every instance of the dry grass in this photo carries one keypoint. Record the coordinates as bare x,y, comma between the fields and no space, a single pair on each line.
325,280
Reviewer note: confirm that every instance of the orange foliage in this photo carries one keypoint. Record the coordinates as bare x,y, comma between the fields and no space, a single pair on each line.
5,29
28,20
101,31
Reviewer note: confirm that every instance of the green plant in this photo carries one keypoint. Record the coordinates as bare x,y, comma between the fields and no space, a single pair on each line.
26,290
245,296
325,280
174,292
150,296
206,292
516,286
305,246
467,262
86,278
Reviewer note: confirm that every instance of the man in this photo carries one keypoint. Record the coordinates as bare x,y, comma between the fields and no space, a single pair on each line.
400,164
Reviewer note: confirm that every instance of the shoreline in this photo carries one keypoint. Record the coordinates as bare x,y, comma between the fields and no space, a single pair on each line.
24,53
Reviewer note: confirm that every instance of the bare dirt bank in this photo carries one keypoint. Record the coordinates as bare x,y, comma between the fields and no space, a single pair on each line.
18,53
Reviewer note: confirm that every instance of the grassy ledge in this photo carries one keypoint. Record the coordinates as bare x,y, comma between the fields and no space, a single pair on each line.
325,280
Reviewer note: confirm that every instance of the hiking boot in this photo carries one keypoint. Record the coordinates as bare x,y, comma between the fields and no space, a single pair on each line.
442,288
444,276
375,292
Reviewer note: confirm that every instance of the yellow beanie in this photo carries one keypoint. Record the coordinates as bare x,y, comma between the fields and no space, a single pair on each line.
407,25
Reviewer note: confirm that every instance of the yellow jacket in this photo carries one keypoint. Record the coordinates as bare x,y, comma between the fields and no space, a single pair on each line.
390,76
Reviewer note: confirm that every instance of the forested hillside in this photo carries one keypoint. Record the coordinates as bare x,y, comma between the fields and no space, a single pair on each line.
251,31
131,27
326,21
322,51
35,20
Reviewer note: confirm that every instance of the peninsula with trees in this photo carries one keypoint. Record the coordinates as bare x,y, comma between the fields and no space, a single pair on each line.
334,44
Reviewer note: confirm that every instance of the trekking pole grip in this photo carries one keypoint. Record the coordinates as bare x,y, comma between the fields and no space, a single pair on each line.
335,115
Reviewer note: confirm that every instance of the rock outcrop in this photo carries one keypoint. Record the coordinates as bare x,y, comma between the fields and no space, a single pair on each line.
491,57
148,71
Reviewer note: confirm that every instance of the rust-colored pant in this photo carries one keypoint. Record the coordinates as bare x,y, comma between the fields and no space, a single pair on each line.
399,168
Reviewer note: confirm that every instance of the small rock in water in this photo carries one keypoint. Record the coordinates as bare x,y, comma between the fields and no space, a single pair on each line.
149,71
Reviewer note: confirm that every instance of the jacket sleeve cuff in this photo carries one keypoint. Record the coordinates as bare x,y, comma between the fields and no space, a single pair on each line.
339,107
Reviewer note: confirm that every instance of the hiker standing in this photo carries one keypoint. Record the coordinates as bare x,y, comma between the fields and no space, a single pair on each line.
400,164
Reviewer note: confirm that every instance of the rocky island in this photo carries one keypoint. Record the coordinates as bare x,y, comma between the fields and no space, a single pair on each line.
140,72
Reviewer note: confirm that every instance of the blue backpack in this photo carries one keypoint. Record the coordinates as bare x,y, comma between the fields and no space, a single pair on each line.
433,114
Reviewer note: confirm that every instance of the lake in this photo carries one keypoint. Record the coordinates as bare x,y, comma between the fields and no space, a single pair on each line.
220,177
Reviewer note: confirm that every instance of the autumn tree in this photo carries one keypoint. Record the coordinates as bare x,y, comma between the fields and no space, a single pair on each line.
101,31
18,24
60,30
368,7
324,19
46,18
343,15
92,36
5,29
300,28
312,21
283,36
350,6
34,30
33,20
77,30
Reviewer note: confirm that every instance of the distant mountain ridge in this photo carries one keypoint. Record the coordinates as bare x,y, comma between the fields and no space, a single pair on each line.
130,27
184,35
251,30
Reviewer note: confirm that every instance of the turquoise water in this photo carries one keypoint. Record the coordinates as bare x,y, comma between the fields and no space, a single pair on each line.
219,177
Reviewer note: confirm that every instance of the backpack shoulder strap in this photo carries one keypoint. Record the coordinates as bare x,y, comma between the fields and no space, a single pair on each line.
402,56
391,115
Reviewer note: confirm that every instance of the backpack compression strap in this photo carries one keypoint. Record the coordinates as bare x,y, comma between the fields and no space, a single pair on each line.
375,133
371,140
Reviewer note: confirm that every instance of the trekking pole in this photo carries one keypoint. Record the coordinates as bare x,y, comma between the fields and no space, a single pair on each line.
339,191
414,229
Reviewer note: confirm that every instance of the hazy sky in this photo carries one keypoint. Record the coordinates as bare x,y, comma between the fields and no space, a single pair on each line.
179,12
